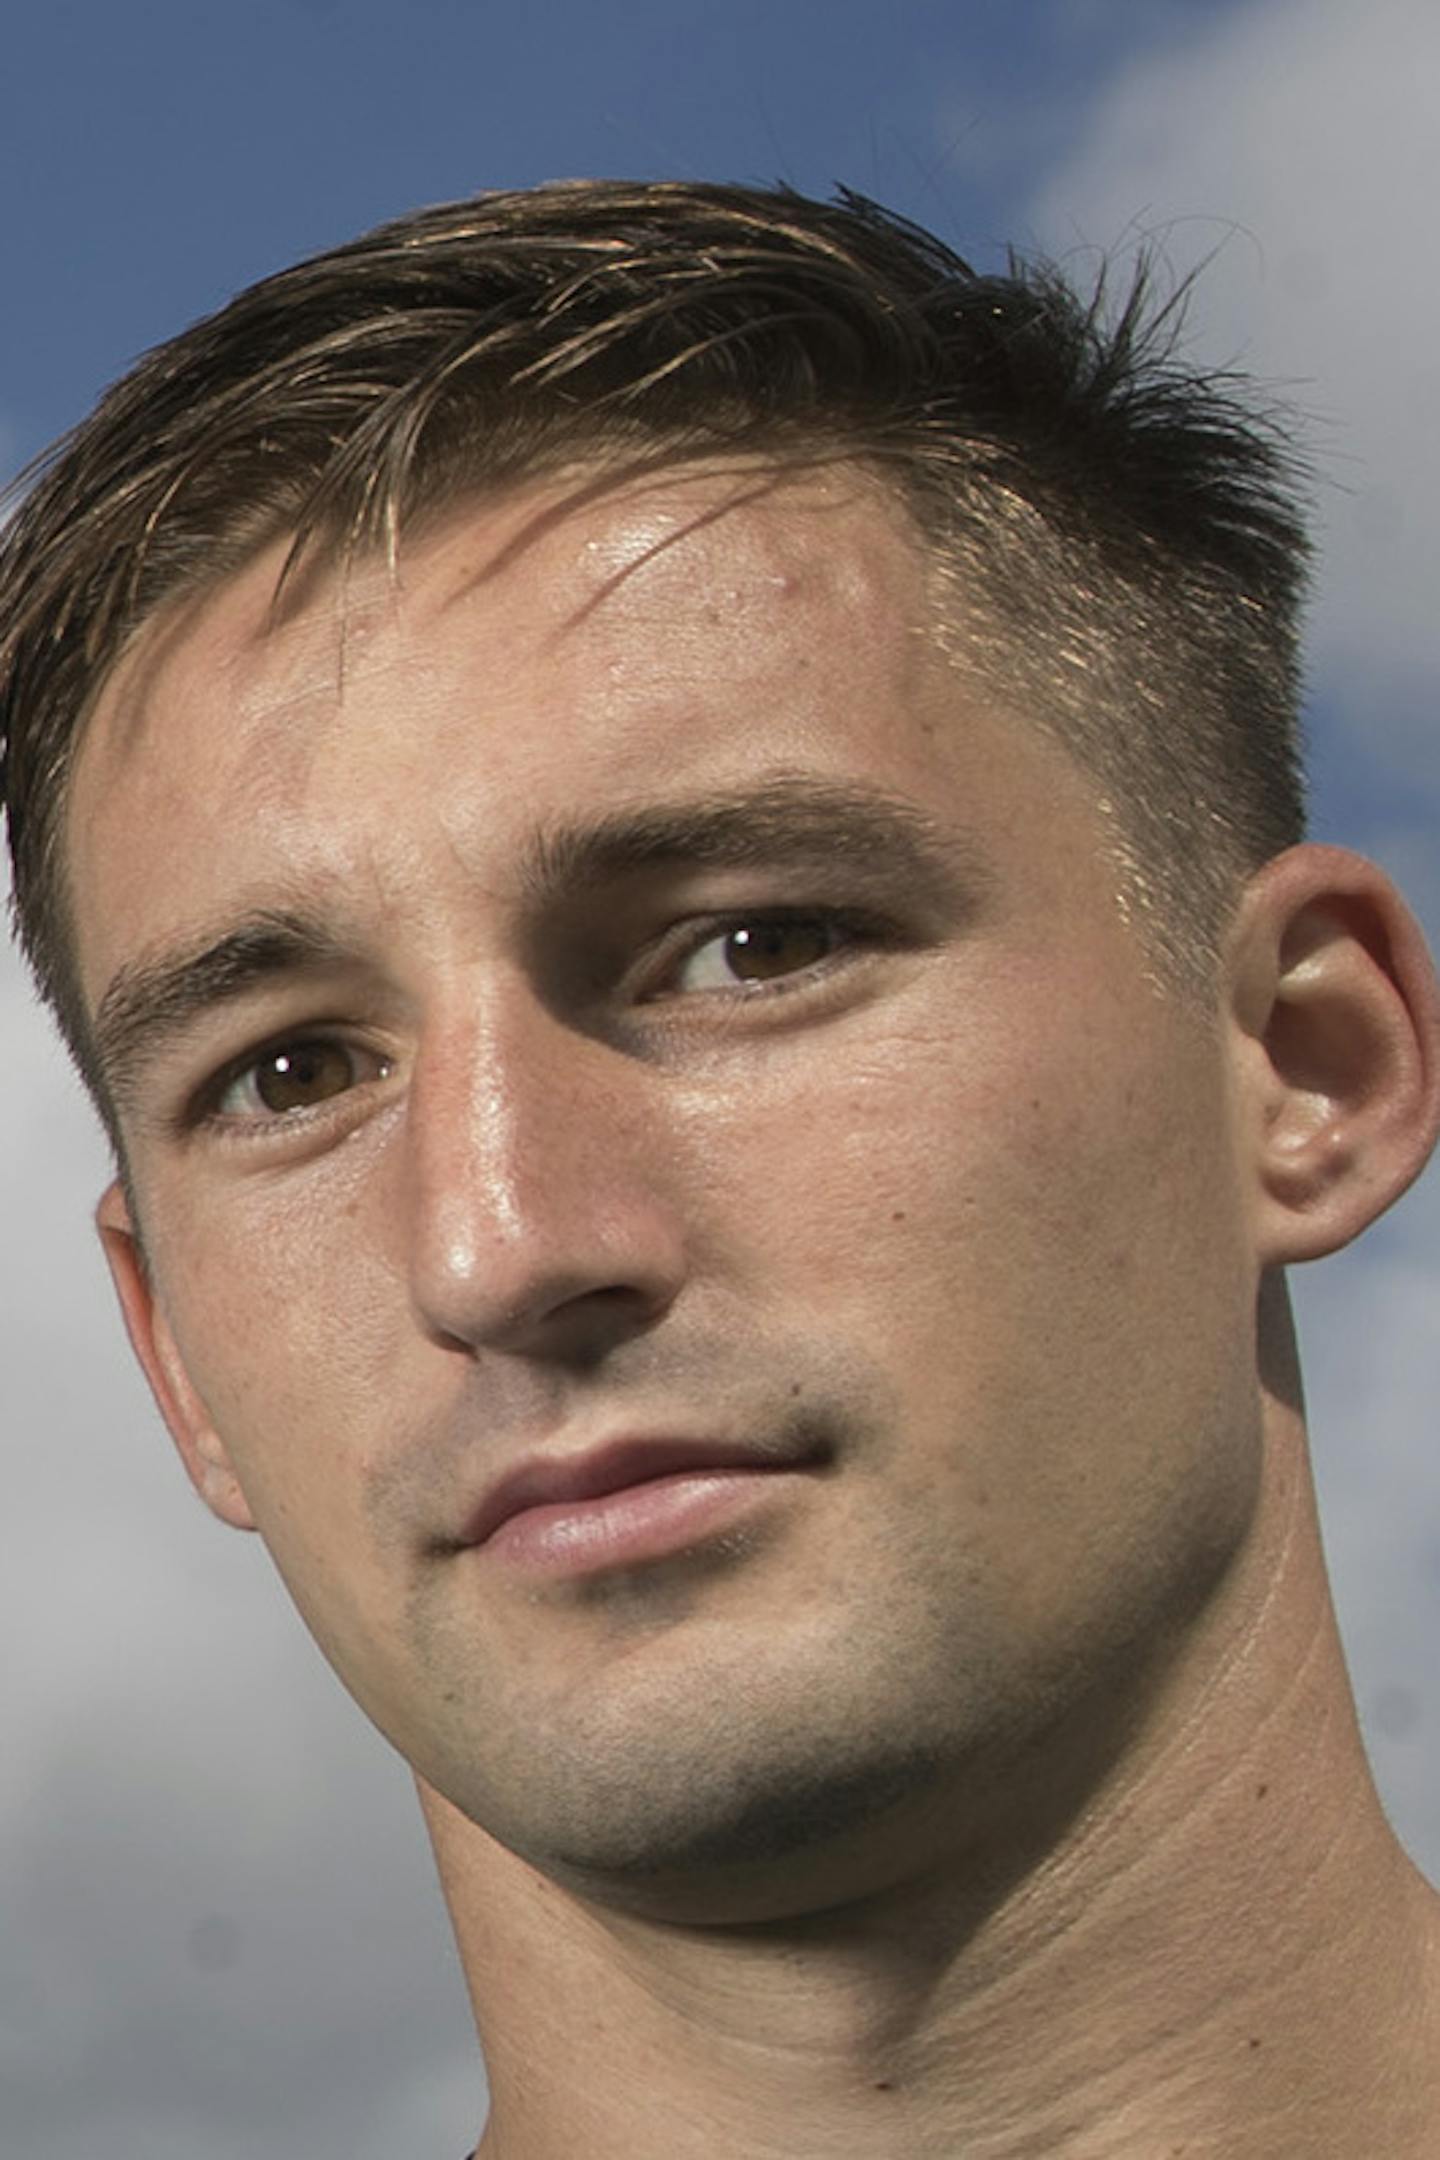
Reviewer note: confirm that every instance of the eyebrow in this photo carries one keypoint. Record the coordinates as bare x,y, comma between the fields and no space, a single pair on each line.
787,819
152,1001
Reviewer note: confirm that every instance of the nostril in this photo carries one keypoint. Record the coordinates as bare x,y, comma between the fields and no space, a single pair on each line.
517,1298
580,1330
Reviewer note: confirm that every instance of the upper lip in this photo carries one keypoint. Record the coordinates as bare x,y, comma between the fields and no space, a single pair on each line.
544,1480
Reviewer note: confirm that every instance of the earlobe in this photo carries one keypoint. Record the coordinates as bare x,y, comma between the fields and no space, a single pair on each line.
201,1449
1337,1021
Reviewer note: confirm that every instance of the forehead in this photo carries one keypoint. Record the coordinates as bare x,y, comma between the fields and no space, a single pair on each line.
585,642
581,562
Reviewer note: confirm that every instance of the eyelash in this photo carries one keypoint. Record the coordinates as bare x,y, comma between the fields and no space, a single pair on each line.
206,1110
844,929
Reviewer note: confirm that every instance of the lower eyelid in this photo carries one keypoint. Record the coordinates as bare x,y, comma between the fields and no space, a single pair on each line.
844,934
371,1066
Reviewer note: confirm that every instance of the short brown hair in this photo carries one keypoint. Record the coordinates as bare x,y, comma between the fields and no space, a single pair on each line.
1116,533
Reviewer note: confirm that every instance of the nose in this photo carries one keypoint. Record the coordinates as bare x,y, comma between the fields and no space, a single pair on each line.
536,1218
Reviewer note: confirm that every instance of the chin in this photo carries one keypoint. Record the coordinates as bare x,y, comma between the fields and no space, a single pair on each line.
777,1839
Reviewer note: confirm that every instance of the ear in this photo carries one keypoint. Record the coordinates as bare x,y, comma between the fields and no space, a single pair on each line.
1337,1029
201,1449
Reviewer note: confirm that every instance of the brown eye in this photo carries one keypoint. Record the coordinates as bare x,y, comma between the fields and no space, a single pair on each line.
759,952
296,1076
763,950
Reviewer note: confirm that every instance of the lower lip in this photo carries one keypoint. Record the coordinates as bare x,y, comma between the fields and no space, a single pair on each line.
638,1523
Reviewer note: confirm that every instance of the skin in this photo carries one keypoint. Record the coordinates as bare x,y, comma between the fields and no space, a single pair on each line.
793,1841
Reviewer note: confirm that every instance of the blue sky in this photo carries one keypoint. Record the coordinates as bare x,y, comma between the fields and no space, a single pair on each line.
222,1937
159,154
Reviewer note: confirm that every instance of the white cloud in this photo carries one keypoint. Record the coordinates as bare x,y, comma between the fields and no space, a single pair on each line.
1299,140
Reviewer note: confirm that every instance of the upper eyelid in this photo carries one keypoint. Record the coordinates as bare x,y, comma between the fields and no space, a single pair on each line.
853,923
201,1103
791,826
671,948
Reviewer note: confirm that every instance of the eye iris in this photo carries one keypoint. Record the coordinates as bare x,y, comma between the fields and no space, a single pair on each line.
306,1073
780,948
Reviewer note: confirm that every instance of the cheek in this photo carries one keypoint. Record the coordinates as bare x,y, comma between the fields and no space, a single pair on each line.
285,1319
1076,1148
289,1353
1041,1242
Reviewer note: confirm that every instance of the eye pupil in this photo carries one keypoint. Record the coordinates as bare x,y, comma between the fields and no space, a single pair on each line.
778,948
305,1073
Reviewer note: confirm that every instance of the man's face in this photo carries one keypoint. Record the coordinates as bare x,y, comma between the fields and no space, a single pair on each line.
614,984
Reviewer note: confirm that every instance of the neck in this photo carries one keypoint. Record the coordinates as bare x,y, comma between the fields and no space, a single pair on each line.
1223,1950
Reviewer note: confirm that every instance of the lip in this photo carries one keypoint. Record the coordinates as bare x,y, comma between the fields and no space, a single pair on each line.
623,1503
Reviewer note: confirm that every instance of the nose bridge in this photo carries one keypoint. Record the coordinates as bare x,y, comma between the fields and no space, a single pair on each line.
530,1211
466,1116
